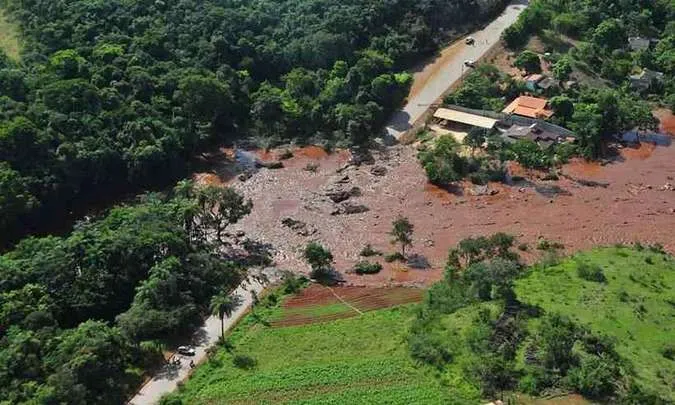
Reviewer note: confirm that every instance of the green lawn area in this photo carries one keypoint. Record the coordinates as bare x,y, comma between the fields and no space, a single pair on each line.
357,360
9,37
636,305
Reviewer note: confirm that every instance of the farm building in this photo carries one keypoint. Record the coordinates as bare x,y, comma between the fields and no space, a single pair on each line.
447,121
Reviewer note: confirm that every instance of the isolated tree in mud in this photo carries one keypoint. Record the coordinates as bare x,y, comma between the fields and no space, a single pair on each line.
320,259
223,305
402,232
219,208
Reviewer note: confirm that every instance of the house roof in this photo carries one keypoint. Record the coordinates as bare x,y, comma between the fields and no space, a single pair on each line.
527,106
638,43
546,82
533,132
465,118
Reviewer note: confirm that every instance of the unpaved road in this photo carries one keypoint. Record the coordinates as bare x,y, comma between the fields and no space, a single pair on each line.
166,380
431,82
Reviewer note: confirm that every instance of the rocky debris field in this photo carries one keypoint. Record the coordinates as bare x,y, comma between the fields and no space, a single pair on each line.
322,197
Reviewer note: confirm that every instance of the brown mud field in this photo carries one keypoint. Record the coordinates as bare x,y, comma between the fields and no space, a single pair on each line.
629,199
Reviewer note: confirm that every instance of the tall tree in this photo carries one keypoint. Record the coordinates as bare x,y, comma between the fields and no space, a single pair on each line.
223,305
402,233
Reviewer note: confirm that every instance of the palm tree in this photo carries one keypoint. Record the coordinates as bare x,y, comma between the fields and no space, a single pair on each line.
224,304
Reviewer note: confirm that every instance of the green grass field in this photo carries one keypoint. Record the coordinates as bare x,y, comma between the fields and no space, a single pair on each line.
357,360
9,37
636,305
365,359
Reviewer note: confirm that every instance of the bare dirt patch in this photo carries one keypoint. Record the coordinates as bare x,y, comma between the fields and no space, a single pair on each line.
621,202
667,119
641,151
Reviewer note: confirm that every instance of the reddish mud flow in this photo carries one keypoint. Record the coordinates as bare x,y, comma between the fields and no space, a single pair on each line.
631,208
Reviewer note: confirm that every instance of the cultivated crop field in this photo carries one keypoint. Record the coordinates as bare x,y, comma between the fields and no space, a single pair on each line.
322,304
357,360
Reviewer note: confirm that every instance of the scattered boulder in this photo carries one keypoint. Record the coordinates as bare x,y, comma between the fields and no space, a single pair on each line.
378,171
343,180
245,176
667,187
299,227
343,168
274,164
361,157
343,195
348,208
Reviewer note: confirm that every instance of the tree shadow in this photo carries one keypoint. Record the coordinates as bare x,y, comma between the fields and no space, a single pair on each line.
169,371
418,261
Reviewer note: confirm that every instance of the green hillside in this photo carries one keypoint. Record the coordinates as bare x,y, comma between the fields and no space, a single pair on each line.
635,306
599,323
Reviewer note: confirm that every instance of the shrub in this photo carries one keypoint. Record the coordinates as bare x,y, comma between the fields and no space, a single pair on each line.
292,283
545,244
523,247
244,362
590,272
286,154
366,267
368,251
426,349
311,167
669,351
649,260
392,257
657,248
596,377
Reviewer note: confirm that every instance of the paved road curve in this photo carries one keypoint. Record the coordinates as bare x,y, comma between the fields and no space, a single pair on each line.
447,70
166,380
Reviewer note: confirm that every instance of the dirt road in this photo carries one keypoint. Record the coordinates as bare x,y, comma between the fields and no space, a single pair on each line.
166,380
436,77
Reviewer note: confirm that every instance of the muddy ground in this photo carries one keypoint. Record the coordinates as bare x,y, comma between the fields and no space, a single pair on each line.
630,202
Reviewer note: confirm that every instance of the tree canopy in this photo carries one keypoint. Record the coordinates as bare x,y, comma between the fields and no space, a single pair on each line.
113,96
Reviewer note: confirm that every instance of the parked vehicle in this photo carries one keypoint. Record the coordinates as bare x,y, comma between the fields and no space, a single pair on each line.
469,41
186,350
470,63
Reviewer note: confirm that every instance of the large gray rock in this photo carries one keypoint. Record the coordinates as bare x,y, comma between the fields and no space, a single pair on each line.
348,208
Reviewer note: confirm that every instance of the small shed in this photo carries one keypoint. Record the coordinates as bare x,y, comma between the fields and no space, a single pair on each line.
644,80
532,80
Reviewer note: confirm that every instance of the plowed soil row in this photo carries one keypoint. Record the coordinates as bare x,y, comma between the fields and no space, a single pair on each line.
362,298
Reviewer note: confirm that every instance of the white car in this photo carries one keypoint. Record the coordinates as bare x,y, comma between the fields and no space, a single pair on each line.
469,40
470,63
186,350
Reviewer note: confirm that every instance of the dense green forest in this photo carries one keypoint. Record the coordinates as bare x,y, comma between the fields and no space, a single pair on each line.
116,96
82,316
